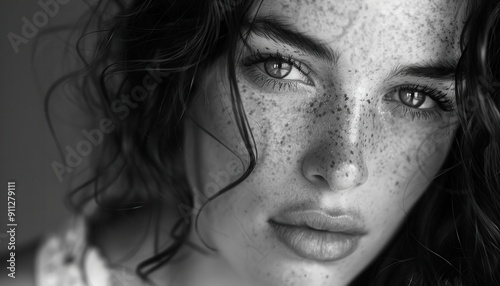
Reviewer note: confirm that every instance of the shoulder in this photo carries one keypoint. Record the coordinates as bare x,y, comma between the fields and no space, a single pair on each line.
66,258
107,252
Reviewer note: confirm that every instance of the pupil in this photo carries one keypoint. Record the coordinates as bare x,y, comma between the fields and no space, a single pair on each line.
277,69
411,98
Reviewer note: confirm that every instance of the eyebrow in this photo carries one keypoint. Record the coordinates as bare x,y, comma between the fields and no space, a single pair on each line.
281,31
440,69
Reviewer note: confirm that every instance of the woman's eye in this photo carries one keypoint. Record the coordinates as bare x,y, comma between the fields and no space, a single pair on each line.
421,102
285,70
277,73
413,98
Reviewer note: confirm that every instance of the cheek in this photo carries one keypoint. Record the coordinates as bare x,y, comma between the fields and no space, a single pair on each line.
405,160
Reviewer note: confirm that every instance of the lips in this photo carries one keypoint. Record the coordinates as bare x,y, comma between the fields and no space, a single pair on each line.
318,235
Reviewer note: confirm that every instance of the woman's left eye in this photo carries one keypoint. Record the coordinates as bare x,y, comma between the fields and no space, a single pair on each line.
419,101
415,99
421,98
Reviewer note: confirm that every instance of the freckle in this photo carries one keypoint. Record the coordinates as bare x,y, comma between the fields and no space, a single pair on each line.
369,101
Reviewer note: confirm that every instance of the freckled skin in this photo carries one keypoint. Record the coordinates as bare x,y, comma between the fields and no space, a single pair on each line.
335,144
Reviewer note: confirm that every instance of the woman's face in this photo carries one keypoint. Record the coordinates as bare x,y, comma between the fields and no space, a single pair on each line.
350,105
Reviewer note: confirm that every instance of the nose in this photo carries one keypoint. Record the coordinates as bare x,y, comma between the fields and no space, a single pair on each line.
336,160
336,169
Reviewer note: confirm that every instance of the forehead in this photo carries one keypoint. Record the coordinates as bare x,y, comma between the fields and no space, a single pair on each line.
414,30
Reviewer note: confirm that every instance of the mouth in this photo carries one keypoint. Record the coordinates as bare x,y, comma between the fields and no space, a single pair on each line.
317,235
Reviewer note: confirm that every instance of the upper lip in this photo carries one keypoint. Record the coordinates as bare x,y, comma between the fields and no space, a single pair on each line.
322,220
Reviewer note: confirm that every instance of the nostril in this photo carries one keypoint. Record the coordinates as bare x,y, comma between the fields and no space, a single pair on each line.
318,179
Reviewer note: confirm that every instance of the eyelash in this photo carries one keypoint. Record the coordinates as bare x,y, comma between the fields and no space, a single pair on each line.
275,83
437,96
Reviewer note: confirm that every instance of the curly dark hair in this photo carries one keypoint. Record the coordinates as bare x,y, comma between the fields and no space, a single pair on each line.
142,74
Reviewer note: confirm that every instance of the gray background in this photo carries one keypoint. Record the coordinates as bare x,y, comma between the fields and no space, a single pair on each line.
26,148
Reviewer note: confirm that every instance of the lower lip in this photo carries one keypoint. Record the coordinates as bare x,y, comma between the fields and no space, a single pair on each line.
316,244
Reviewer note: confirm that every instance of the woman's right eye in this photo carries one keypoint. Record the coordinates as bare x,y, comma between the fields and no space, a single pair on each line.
278,72
285,70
